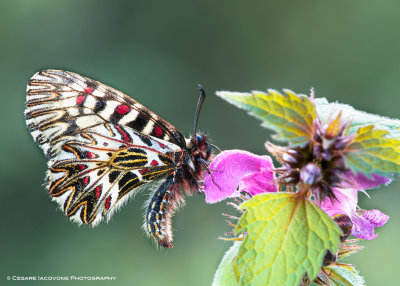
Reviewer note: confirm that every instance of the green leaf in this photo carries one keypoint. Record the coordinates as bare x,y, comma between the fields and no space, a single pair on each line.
341,275
355,117
372,151
224,275
290,115
286,237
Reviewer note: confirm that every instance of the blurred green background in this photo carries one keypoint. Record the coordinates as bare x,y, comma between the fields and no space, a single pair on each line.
156,52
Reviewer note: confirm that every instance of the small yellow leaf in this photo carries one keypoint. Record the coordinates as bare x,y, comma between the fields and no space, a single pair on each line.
290,115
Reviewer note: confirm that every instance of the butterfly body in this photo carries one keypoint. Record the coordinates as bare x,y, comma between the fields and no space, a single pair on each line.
104,146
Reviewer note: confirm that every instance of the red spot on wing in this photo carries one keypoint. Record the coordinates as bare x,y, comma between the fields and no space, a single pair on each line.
89,89
97,192
123,109
85,181
143,171
162,145
80,99
89,155
81,167
158,132
107,203
154,163
124,134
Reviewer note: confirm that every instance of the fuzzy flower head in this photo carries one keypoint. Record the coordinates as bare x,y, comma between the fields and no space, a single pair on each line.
234,171
316,168
320,163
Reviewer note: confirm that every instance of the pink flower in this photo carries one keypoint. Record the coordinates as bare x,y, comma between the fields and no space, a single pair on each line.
363,221
236,170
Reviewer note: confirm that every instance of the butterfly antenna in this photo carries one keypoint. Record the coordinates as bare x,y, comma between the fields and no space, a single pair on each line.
199,105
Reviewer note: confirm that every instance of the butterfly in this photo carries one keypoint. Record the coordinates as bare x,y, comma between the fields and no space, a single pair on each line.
103,147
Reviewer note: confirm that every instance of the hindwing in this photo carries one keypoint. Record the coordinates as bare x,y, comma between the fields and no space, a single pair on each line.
97,171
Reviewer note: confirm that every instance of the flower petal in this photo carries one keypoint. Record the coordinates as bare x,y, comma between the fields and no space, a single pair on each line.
361,182
261,182
345,203
364,223
375,217
227,170
362,228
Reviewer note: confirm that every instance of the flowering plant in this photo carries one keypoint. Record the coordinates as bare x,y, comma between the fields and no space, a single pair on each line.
297,214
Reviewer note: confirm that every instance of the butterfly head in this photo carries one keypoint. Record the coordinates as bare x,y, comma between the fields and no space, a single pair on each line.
199,147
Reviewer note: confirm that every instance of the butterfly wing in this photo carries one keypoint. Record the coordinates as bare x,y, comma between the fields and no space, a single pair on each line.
97,172
101,143
62,104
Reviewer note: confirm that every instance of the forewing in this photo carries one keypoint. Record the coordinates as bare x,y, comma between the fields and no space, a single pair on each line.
102,166
61,105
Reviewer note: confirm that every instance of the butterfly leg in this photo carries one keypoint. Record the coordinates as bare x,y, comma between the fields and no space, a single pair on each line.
159,213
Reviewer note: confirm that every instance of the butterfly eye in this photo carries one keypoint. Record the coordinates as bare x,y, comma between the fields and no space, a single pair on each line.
198,139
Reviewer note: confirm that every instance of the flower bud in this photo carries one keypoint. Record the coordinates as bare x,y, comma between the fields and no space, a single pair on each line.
328,258
290,177
342,142
311,174
345,224
328,143
296,157
292,157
